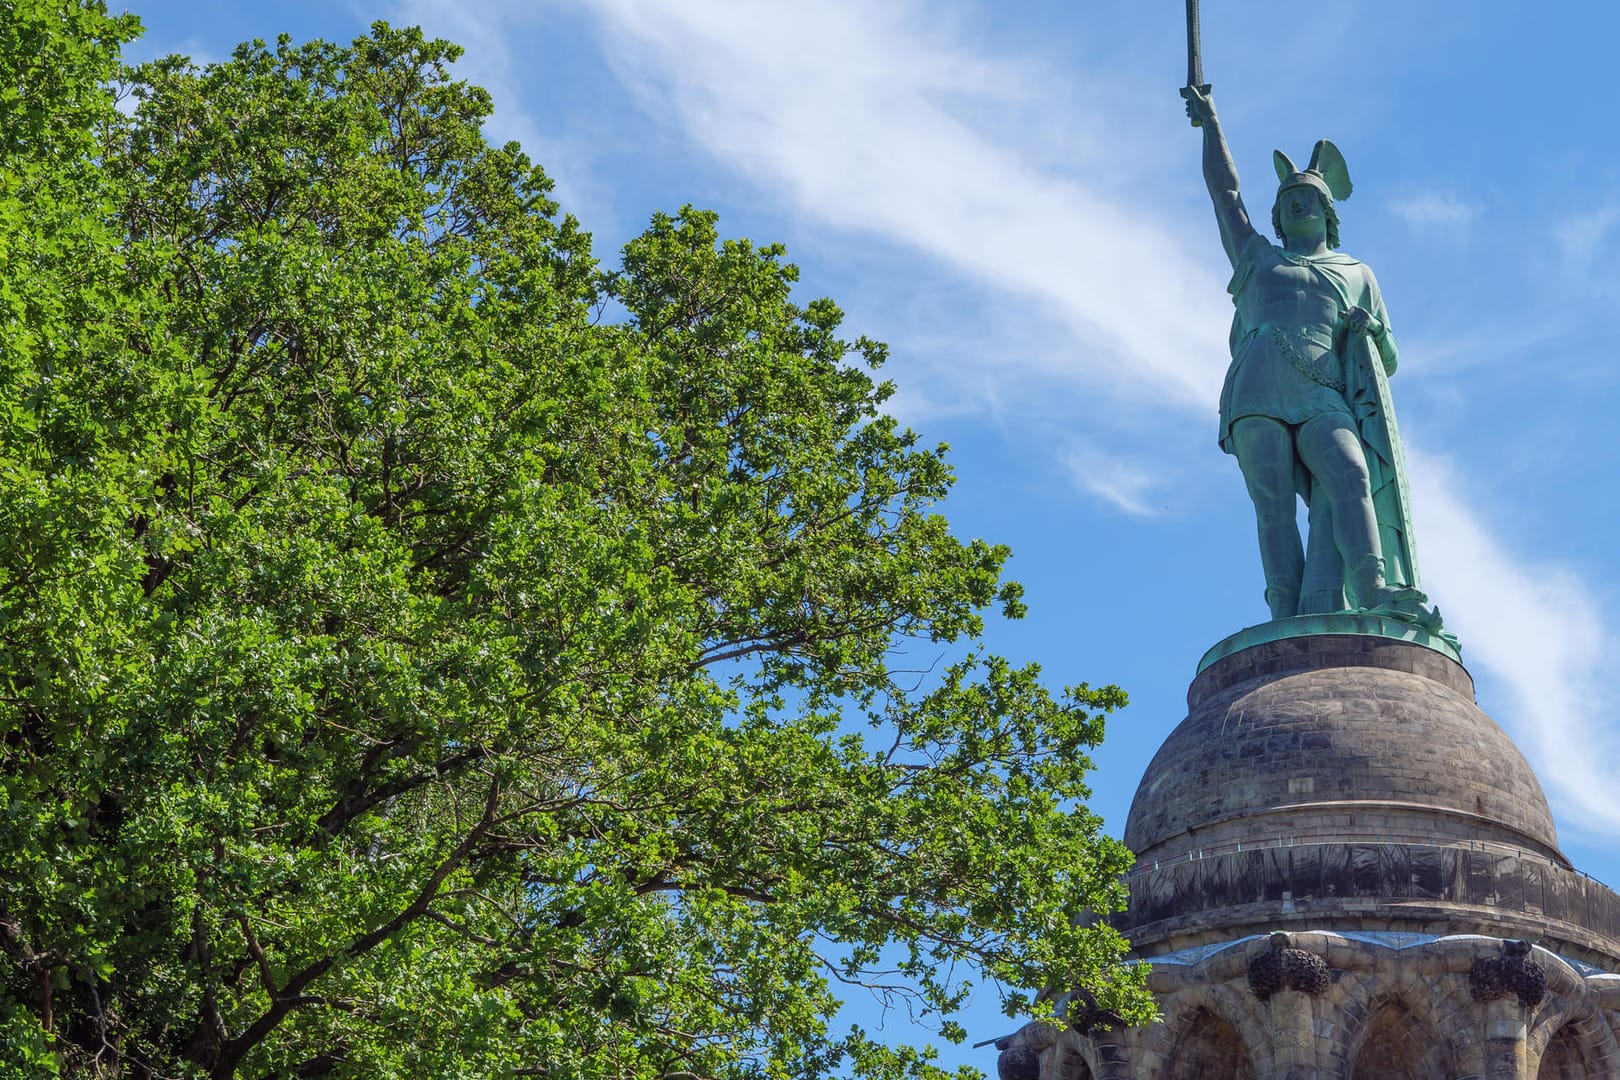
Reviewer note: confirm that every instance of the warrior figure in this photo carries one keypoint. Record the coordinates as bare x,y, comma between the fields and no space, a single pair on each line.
1305,407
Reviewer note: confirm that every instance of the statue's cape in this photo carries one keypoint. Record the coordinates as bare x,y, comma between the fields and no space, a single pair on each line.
1367,391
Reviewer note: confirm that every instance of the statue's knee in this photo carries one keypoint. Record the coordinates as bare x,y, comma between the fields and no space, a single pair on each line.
1350,473
1268,476
1333,452
1273,506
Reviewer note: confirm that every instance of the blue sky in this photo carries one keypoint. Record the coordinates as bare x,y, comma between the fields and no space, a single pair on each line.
1009,194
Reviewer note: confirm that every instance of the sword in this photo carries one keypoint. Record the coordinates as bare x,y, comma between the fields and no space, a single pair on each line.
1195,59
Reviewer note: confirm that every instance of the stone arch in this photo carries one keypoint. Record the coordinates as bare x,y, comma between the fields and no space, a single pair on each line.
1574,1043
1396,1043
1070,1066
1213,1032
1456,1016
1076,1058
1565,1058
1078,1070
1398,1027
1212,1049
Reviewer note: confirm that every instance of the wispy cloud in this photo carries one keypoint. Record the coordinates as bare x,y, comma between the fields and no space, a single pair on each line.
1534,625
1128,483
1538,628
1435,212
1583,237
853,114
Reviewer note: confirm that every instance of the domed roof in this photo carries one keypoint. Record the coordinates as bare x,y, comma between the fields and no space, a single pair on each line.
1336,736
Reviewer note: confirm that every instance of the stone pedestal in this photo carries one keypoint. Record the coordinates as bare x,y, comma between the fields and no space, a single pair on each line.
1342,866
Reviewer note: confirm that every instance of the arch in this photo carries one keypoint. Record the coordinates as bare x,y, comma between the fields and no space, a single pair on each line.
1437,1027
1076,1057
1565,1057
1076,1069
1207,1024
1396,1043
1574,1044
1210,1048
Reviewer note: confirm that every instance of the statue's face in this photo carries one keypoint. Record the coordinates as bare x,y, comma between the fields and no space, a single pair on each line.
1299,211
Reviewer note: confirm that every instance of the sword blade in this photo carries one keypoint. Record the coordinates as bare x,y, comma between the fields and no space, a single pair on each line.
1195,59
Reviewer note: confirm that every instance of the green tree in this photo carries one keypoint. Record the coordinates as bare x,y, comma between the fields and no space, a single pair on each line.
409,672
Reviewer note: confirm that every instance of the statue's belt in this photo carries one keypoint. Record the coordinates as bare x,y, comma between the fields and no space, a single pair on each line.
1325,369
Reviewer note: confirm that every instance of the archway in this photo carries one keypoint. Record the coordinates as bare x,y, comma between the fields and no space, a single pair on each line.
1565,1057
1397,1045
1211,1049
1076,1070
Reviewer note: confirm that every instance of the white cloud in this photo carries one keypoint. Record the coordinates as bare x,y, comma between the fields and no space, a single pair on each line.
1433,211
1503,339
1583,237
1536,626
851,112
1127,483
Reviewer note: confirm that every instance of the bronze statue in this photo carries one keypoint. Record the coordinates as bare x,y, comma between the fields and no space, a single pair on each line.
1305,407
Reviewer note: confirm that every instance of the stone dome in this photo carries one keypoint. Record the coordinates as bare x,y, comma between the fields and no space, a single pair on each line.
1336,736
1346,869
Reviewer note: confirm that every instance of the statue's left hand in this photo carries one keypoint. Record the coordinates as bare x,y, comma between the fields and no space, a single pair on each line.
1361,321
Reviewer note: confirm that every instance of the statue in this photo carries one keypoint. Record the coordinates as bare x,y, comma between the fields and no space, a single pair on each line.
1305,407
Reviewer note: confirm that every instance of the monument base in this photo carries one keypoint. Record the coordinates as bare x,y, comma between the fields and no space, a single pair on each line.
1359,623
1346,869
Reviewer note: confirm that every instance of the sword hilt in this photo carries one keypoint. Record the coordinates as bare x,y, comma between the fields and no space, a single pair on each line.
1187,92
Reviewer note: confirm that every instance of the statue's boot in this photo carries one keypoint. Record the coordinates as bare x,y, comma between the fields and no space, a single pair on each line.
1282,557
1374,594
1283,600
1322,586
1367,584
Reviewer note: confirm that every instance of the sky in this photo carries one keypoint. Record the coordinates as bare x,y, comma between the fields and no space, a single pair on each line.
1009,195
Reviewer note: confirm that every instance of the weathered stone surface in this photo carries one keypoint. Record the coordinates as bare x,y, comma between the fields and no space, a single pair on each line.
1349,783
1515,972
1336,736
1341,864
1018,1063
1388,1012
1282,967
1355,887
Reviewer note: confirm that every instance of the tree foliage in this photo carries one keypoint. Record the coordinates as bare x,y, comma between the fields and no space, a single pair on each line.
407,670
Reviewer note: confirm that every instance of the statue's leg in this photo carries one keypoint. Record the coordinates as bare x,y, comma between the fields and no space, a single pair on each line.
1265,453
1323,586
1332,451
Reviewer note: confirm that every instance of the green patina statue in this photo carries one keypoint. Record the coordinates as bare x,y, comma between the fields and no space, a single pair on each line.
1306,407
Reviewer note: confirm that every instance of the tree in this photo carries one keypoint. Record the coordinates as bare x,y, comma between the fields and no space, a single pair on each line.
410,671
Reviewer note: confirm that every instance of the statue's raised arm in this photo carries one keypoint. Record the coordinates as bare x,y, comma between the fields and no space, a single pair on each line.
1220,174
1305,407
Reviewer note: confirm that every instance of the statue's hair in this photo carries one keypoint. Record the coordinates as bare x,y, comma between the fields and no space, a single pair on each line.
1328,211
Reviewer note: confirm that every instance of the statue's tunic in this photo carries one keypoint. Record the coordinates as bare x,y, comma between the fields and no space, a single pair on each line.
1289,307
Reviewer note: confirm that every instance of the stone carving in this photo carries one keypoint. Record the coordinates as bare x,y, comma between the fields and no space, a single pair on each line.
1515,972
1018,1063
1283,968
1306,407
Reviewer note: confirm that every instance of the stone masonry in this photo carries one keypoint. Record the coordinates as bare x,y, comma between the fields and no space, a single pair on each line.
1347,870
